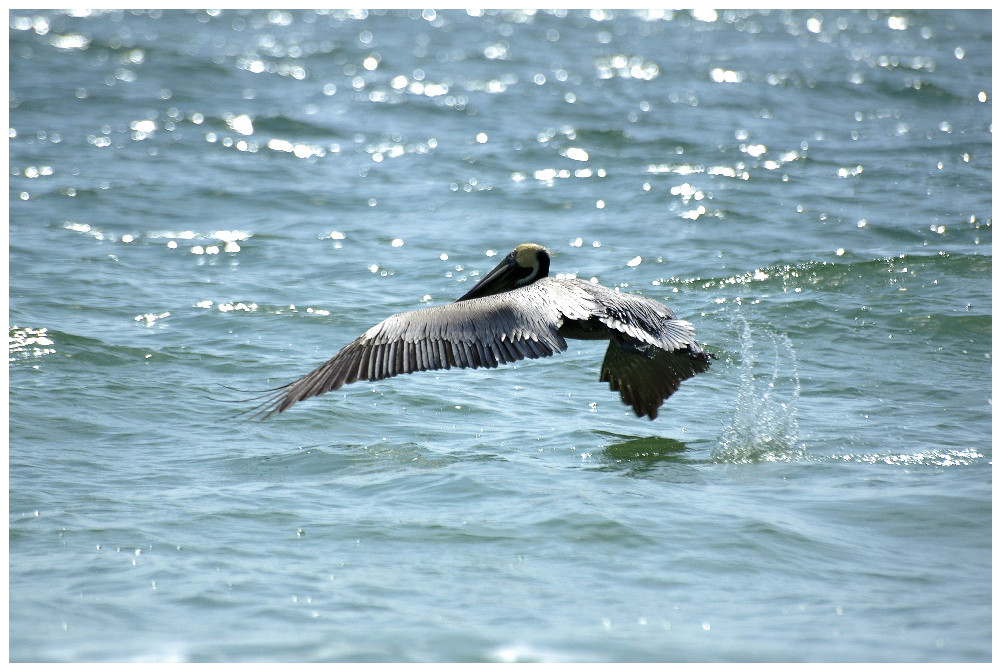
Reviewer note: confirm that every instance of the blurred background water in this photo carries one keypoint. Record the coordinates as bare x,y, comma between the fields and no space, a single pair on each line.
207,198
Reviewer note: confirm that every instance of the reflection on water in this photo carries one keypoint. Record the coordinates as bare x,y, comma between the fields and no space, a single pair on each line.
651,448
633,456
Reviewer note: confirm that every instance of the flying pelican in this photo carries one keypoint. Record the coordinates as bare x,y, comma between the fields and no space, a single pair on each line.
518,311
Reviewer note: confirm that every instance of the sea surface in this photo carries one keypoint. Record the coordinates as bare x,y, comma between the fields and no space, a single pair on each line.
203,202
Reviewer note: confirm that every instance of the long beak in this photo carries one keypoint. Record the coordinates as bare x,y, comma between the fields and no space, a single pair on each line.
501,278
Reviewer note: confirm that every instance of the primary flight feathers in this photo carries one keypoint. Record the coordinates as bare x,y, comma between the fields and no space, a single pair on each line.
515,312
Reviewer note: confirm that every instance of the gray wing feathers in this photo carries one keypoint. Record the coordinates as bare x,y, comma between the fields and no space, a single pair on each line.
481,332
650,354
643,319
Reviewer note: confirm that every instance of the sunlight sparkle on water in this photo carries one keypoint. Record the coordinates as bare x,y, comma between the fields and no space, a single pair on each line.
727,76
242,124
150,318
71,41
949,457
239,307
25,342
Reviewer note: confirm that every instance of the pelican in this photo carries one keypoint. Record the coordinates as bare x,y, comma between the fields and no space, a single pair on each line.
517,311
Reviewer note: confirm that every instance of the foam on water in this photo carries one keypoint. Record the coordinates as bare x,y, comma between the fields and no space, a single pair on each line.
943,457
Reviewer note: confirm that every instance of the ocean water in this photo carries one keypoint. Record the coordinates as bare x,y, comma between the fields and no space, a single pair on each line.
204,200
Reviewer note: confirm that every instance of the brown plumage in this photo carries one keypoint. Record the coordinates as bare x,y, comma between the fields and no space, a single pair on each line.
515,312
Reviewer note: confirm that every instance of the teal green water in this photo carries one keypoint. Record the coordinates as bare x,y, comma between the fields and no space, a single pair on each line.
209,200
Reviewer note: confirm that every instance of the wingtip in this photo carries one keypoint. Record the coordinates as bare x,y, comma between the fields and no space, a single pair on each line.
273,403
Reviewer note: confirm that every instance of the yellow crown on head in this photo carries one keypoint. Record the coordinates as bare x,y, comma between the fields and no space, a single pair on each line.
527,254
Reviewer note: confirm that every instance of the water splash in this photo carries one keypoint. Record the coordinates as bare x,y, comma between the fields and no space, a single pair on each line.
764,426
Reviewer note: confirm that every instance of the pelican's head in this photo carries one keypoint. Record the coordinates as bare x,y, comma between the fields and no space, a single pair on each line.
524,265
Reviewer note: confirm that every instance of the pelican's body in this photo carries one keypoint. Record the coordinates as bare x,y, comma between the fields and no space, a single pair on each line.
516,311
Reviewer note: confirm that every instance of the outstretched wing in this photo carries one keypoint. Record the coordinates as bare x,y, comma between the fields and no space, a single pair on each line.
646,375
480,332
651,351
